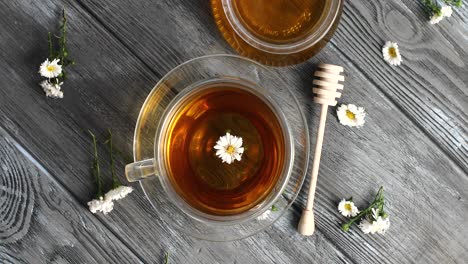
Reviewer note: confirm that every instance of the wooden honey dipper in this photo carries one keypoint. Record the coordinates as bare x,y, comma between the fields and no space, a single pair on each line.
325,93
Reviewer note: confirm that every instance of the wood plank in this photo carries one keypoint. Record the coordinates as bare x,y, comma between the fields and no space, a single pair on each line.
42,223
402,148
106,90
421,183
430,86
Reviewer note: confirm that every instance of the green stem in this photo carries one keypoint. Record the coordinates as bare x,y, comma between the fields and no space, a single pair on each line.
51,46
351,221
62,45
166,258
378,201
63,40
63,51
96,168
432,6
457,3
115,181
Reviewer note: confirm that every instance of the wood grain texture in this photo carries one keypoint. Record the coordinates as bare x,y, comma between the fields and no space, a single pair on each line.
391,150
41,223
421,183
122,49
431,85
106,90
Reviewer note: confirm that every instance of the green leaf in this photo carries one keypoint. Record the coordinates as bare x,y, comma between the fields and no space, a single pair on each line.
274,208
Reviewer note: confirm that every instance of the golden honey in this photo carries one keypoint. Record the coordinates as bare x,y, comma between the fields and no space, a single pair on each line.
280,21
277,32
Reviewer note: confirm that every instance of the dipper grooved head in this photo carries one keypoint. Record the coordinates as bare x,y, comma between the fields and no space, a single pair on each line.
327,83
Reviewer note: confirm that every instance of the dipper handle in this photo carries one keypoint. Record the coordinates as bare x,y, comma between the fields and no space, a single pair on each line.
325,91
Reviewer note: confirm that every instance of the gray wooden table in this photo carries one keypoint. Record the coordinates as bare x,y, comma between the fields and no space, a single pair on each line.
414,142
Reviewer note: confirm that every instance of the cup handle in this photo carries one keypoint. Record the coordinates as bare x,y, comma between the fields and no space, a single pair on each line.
139,170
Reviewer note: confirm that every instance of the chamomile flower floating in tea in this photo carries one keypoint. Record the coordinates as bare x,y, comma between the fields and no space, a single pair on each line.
351,115
391,53
347,208
229,148
50,69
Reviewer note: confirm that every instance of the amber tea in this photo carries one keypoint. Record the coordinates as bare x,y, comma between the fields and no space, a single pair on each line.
200,177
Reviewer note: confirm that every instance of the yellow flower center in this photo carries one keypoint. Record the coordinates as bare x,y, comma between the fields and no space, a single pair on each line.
51,68
350,114
230,149
392,52
347,207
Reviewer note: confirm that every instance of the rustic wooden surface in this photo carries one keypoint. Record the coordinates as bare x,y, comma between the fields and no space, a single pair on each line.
414,142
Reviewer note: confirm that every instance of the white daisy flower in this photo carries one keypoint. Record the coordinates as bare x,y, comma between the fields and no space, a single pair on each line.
101,204
366,226
50,69
229,148
383,224
52,90
445,11
118,193
347,208
376,225
391,53
351,115
265,215
436,18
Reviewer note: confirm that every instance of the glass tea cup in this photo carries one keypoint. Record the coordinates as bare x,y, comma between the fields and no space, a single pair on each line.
165,101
